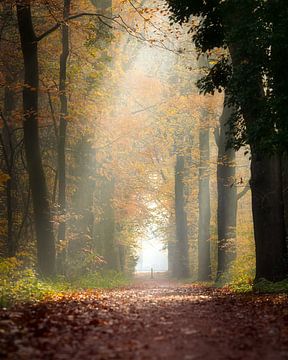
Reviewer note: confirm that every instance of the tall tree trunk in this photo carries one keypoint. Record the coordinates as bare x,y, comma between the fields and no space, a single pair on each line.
43,224
285,194
107,224
8,146
266,186
227,196
8,140
171,247
279,53
62,134
204,262
105,6
181,263
268,217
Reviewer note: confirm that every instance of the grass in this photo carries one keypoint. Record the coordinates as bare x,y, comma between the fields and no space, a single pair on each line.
101,279
19,284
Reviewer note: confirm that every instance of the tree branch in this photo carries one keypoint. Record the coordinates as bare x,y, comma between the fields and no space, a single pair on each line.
244,191
73,17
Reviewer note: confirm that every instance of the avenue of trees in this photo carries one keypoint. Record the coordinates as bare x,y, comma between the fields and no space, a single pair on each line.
250,72
118,117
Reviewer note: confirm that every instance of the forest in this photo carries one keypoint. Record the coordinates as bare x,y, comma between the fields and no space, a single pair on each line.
143,179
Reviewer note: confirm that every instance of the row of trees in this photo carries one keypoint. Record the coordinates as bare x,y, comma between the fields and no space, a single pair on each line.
110,137
252,73
38,126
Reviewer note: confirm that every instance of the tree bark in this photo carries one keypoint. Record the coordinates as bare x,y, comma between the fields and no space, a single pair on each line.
204,262
227,196
268,217
42,217
284,161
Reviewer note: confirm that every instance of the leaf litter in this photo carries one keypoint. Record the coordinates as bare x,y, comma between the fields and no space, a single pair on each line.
150,321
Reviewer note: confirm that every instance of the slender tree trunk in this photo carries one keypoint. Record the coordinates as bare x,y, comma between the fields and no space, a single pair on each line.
171,257
8,140
8,145
107,225
181,266
62,135
42,217
171,247
227,196
204,262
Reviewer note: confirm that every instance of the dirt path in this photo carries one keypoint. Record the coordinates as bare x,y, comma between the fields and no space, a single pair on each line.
151,321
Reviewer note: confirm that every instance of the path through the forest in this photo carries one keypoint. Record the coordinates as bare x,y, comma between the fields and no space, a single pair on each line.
149,320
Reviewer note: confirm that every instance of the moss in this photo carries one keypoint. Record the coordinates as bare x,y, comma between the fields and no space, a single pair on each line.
265,286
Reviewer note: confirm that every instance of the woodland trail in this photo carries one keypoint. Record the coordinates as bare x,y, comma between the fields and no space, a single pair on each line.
149,320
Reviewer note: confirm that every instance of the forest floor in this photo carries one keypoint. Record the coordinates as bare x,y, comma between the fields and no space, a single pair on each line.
151,319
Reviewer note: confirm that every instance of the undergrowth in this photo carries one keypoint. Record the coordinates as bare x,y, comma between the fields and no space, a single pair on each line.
243,283
265,286
20,284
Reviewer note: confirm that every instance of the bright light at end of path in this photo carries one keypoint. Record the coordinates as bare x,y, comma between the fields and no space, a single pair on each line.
152,255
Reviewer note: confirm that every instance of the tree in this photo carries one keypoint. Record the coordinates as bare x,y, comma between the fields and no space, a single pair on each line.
227,195
181,262
43,224
63,121
244,28
9,139
204,263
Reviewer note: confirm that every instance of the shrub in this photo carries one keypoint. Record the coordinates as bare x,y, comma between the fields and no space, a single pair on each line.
20,284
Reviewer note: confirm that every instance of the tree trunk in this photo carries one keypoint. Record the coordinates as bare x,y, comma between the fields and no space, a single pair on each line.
268,210
104,6
204,262
181,266
62,134
267,195
171,247
227,196
8,146
279,52
284,161
107,225
8,140
43,224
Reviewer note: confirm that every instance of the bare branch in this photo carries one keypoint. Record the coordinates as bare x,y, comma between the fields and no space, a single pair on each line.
100,17
244,191
148,107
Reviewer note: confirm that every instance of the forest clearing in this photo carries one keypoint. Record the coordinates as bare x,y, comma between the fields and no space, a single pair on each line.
143,179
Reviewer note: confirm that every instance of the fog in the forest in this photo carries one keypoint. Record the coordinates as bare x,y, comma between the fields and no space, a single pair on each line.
143,179
134,161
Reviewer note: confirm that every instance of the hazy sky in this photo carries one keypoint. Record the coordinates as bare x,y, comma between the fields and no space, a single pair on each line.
151,254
